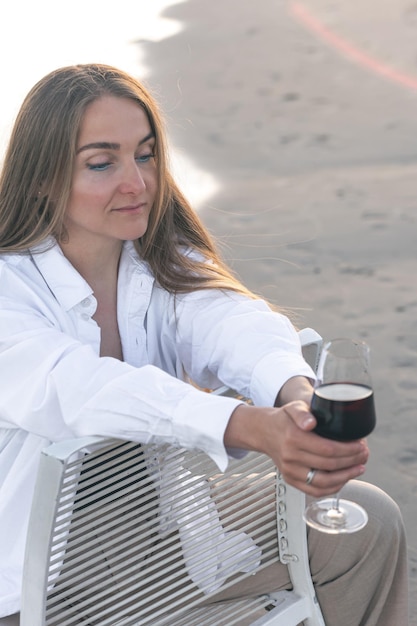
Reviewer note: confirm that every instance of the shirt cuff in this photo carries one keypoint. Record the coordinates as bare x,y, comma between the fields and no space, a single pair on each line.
200,423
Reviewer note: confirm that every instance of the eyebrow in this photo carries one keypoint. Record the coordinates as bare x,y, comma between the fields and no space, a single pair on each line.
107,145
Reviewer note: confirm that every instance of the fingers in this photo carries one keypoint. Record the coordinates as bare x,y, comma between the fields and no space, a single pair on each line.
335,462
322,483
315,451
327,455
285,434
332,470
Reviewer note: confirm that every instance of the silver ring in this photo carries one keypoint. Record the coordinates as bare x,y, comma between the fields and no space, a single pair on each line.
310,476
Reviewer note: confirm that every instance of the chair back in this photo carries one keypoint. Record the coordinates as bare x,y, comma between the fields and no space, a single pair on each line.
124,534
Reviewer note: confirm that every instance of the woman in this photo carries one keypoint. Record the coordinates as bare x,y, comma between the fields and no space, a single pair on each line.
113,296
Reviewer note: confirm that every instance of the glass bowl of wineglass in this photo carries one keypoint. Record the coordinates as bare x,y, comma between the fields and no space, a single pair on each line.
343,405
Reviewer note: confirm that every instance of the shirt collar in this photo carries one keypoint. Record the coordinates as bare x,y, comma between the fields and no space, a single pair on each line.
66,284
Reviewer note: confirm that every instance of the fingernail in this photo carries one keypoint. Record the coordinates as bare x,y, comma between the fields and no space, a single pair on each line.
309,421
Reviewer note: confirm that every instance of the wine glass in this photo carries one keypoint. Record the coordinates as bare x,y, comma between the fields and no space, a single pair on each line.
343,405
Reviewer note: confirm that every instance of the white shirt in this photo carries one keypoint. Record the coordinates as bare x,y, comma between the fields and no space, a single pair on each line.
54,385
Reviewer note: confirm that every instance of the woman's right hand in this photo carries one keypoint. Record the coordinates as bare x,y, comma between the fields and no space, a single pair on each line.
285,434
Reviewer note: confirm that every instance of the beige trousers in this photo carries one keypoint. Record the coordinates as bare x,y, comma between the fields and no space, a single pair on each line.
360,579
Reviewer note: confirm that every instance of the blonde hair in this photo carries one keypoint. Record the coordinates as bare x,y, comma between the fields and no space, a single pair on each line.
36,180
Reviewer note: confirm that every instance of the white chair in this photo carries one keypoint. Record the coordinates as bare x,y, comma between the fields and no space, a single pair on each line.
123,534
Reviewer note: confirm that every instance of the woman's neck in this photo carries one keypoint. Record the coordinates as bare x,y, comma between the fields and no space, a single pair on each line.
100,269
97,265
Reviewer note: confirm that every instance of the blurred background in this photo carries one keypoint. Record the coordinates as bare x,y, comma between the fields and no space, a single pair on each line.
36,38
294,133
306,114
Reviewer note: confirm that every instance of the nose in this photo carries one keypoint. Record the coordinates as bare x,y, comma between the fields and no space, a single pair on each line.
132,180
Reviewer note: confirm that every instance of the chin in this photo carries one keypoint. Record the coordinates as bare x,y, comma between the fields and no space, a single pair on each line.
134,233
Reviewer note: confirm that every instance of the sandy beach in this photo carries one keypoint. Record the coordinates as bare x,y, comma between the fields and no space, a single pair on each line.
312,139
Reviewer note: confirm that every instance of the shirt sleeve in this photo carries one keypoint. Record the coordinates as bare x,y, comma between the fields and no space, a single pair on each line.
57,387
241,342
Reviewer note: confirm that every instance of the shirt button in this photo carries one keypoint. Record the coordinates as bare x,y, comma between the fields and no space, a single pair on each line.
85,302
85,317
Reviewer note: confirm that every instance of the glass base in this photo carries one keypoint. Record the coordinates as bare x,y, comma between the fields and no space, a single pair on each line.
348,518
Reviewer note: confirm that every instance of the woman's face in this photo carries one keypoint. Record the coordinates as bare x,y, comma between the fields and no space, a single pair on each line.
115,175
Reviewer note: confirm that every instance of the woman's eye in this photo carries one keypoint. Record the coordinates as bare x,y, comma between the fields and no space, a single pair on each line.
144,158
98,167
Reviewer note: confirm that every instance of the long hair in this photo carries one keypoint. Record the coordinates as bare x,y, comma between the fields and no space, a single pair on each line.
35,183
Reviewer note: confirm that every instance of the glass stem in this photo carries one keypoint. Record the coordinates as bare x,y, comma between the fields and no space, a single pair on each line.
334,516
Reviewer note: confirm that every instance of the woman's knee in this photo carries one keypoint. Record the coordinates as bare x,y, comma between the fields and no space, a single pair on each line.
385,519
381,541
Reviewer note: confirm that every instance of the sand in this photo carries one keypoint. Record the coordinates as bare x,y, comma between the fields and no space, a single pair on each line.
315,153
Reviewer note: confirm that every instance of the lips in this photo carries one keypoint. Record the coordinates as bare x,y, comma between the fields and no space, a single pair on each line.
132,209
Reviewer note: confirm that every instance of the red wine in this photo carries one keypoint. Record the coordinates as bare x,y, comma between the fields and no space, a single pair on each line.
343,411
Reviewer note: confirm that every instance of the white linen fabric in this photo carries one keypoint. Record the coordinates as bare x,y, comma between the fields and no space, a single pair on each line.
54,385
